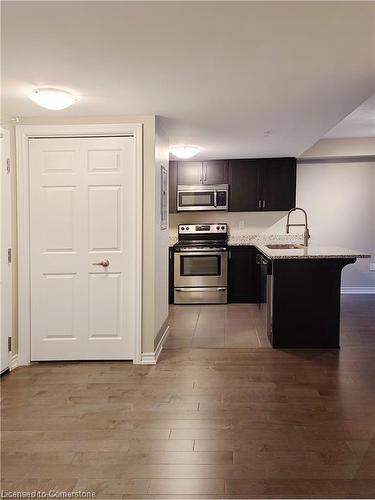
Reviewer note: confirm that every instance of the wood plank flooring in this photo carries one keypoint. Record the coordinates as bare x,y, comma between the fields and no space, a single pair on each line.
202,423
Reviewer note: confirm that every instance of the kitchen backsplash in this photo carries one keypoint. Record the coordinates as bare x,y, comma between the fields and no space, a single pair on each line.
245,228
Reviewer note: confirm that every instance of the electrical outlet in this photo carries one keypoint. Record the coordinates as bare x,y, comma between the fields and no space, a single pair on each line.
372,266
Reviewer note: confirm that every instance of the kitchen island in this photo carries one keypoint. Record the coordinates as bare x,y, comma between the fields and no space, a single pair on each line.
299,294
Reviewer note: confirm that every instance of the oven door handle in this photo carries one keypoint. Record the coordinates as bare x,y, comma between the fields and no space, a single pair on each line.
205,289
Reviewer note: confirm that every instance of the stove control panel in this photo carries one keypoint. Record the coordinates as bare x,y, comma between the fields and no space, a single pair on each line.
202,228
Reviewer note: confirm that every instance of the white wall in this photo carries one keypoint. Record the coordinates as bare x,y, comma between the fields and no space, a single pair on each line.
251,223
340,201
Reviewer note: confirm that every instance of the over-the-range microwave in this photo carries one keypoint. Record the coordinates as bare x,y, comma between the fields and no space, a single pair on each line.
208,197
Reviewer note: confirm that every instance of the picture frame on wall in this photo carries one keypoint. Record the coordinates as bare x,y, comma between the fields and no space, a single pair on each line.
164,198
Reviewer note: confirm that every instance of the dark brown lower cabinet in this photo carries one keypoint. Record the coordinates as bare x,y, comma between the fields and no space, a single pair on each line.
242,285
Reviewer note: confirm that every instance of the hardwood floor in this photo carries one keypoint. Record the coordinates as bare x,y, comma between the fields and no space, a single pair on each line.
202,423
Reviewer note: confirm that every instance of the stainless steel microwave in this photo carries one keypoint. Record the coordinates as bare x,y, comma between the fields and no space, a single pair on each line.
209,197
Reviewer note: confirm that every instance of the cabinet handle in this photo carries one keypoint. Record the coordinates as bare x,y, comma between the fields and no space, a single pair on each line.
264,203
259,204
205,172
230,254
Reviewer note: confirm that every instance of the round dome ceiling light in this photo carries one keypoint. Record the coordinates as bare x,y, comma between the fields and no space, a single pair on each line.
53,98
185,152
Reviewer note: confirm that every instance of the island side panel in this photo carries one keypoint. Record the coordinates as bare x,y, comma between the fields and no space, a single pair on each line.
306,302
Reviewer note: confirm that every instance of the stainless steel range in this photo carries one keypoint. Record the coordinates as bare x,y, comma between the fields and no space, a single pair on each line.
201,264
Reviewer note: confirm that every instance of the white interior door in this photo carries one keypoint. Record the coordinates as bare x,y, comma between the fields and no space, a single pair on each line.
5,266
82,213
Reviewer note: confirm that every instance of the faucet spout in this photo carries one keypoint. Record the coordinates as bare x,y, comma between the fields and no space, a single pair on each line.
306,233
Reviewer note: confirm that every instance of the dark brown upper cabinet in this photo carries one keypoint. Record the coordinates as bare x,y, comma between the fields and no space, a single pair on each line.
255,185
277,184
194,173
243,185
265,184
190,173
215,172
173,187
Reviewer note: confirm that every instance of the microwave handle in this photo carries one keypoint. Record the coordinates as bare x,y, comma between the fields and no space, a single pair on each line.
215,199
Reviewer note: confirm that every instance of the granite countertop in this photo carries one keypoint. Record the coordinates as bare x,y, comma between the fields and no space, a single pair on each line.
261,240
311,252
238,239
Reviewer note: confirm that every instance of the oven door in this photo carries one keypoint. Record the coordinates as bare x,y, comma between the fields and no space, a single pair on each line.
200,269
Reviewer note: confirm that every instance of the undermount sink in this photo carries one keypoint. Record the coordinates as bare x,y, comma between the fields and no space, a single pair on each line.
285,246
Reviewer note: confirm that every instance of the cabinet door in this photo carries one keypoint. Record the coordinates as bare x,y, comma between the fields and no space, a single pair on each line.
190,173
215,172
277,183
241,274
243,185
172,187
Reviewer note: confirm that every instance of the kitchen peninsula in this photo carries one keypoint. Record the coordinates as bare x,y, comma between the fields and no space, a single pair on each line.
299,294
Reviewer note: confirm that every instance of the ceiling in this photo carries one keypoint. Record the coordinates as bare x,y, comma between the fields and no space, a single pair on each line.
239,79
359,123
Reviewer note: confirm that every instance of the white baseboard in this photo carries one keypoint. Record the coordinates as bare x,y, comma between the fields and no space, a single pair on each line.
358,290
150,358
13,363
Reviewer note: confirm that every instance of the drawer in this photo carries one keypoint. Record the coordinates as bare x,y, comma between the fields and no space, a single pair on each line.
201,295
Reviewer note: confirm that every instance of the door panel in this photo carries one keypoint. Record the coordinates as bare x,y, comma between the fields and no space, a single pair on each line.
215,172
59,218
105,300
241,274
190,173
104,160
278,183
82,198
105,216
243,182
58,162
59,292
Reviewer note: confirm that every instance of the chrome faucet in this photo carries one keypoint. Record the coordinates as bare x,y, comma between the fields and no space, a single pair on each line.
306,233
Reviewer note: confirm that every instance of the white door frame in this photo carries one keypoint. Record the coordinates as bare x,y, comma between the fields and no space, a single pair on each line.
6,232
23,134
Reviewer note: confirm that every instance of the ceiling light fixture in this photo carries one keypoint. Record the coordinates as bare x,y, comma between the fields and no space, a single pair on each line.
185,152
53,98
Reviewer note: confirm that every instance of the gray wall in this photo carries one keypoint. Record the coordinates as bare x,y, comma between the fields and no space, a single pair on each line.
161,235
340,200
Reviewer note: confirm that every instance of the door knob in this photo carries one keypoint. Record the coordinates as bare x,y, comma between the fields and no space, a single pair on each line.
104,263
